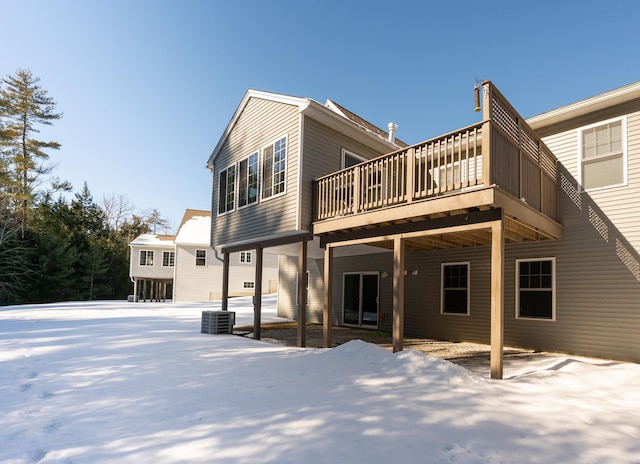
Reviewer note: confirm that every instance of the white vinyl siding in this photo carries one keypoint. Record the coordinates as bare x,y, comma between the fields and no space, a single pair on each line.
603,154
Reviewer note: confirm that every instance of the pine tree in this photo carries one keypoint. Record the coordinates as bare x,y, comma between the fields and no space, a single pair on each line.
23,106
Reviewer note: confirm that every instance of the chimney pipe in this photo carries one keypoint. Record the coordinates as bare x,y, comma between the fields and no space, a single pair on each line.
393,127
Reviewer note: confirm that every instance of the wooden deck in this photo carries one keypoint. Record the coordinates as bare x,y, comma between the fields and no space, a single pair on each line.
498,163
486,184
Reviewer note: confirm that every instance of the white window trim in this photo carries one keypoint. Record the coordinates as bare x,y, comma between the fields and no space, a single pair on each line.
245,254
258,197
248,284
351,154
195,258
286,168
442,265
153,259
174,259
553,290
625,177
235,189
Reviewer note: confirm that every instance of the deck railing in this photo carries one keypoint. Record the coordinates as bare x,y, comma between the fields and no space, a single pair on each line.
514,158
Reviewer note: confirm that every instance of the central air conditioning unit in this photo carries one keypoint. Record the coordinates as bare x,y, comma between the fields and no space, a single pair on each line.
217,322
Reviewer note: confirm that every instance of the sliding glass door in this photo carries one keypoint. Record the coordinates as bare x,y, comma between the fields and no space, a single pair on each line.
360,299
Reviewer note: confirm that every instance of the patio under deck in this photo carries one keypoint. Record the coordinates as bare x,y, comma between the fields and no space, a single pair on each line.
490,183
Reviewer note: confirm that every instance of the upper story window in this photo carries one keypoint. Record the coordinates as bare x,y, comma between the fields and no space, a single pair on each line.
535,288
168,258
227,190
245,257
603,154
201,257
248,180
274,168
350,159
146,258
455,288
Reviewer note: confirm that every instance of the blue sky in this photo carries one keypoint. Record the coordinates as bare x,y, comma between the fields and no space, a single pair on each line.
147,87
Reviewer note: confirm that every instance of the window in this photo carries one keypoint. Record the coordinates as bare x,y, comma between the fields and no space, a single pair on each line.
248,181
535,283
455,288
248,285
350,159
146,258
227,190
274,167
201,257
603,154
245,257
168,258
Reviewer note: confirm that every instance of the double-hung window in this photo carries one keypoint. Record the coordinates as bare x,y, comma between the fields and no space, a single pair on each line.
248,180
227,190
455,288
535,288
201,257
603,154
146,258
168,258
274,168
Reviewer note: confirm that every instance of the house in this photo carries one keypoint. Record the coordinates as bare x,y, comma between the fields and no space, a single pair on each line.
186,267
509,231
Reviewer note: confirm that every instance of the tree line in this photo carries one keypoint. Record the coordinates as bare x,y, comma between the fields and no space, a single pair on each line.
55,245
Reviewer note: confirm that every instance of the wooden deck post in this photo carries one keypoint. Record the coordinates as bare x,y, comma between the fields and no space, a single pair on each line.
497,299
257,303
327,315
135,289
225,281
398,294
302,294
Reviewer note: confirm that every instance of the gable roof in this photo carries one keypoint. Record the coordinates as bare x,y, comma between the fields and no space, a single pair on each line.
609,104
153,240
196,230
360,121
332,114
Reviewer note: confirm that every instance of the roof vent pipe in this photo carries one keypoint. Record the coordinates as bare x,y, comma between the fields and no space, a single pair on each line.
393,128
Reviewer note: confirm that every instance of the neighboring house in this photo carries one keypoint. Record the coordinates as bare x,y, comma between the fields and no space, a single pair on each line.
151,266
509,231
185,267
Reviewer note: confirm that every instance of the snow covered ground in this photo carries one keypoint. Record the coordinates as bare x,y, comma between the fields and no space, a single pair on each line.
117,382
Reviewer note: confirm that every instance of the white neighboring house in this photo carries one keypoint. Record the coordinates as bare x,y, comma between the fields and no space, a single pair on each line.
151,266
191,266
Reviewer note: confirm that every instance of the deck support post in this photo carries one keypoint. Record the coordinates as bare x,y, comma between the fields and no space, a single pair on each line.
135,289
225,281
497,299
257,298
327,315
398,293
302,294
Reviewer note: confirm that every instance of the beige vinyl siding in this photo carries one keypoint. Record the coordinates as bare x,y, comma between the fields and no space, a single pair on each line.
261,123
322,151
618,204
